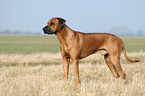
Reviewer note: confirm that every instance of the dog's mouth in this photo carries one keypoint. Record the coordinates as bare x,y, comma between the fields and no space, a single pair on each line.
49,33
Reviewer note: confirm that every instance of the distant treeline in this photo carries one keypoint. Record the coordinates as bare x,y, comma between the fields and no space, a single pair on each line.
119,31
20,32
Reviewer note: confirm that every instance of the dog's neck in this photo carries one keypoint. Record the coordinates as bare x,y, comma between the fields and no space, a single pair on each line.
64,34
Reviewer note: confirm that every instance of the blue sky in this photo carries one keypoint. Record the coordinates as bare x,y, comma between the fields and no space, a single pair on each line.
81,15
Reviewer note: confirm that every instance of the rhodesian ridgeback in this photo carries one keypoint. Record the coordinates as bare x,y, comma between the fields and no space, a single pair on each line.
77,45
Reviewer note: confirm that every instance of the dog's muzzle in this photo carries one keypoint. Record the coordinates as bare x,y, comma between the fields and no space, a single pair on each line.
47,30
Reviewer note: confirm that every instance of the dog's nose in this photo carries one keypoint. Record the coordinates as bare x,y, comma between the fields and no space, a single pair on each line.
44,29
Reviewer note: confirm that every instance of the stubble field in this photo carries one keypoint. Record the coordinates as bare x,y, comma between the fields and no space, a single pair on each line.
32,66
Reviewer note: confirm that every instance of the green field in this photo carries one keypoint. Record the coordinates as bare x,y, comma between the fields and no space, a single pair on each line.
28,44
43,43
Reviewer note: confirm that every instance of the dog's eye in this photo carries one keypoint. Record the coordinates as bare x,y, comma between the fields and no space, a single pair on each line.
52,25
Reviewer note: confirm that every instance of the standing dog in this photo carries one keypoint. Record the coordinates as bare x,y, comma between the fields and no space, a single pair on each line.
77,45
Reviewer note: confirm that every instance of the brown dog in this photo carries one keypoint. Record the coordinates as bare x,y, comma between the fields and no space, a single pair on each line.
77,45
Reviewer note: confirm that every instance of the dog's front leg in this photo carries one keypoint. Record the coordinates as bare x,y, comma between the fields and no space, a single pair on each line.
66,67
76,70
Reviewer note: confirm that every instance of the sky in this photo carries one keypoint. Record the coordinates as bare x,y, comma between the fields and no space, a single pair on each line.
80,15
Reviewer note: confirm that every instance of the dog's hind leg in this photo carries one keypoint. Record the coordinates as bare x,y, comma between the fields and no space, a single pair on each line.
115,59
110,65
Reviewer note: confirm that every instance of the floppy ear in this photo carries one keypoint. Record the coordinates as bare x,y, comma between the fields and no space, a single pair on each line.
61,22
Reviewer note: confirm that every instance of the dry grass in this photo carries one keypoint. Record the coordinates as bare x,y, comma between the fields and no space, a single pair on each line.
42,75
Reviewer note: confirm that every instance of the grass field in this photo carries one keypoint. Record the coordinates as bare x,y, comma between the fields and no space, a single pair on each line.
43,43
28,44
32,66
41,74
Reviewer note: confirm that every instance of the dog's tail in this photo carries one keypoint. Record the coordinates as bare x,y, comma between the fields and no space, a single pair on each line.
123,48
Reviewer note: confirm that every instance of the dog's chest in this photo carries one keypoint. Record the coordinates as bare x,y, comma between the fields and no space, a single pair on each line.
64,47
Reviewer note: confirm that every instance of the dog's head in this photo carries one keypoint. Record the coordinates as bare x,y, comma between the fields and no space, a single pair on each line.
54,25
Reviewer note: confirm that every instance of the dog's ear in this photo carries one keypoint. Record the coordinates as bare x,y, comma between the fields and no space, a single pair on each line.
61,22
